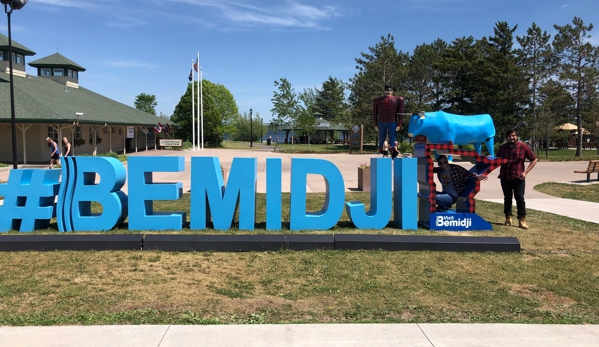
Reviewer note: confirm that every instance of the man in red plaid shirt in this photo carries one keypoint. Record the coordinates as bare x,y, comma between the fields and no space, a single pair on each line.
388,115
512,175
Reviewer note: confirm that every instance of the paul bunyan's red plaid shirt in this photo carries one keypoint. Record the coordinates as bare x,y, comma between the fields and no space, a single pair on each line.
386,109
516,157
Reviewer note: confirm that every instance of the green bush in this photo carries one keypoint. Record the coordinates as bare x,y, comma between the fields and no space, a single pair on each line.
406,147
110,154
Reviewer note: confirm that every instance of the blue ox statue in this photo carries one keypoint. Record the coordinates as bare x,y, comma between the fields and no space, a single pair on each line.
442,127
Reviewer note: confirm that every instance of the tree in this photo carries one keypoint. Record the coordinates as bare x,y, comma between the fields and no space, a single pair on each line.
460,77
242,132
220,109
305,119
422,76
555,107
285,104
502,89
330,100
383,65
536,59
146,102
577,66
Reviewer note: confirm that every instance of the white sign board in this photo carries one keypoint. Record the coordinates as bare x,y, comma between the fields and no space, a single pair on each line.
171,143
130,132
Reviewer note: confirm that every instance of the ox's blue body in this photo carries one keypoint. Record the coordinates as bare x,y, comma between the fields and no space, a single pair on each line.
442,127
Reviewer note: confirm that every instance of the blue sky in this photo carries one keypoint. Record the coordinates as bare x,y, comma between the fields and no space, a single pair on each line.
132,47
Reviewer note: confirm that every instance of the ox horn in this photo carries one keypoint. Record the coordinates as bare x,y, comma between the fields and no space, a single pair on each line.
422,114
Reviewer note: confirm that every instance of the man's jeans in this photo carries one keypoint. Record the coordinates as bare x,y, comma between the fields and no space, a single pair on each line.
513,188
383,129
445,200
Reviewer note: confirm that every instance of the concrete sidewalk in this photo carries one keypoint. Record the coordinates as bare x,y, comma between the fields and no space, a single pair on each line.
308,335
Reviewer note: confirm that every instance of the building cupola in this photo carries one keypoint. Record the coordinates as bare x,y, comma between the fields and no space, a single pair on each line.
58,68
19,52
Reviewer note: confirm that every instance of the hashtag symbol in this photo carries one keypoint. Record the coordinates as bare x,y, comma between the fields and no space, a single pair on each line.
29,198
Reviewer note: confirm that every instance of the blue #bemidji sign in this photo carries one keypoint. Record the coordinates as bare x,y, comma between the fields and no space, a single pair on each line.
32,197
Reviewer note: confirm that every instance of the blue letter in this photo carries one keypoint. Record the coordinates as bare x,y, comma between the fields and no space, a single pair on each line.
84,190
334,199
28,199
209,196
274,200
380,198
142,193
405,196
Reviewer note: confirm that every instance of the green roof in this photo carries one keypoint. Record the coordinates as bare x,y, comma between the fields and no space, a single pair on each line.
57,60
16,47
42,100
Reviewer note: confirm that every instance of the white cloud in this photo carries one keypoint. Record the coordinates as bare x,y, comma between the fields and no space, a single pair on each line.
288,14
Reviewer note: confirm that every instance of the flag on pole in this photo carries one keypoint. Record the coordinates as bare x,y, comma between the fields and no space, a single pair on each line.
195,67
158,128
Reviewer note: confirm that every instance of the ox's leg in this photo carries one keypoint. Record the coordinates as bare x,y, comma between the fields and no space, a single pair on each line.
478,147
491,145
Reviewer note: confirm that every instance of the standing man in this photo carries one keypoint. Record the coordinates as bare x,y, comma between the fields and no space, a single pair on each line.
67,147
388,116
513,175
54,152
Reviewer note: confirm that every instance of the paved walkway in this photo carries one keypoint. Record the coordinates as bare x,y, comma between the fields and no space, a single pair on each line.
308,335
379,335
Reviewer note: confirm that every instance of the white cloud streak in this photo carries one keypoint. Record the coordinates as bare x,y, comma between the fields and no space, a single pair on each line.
288,14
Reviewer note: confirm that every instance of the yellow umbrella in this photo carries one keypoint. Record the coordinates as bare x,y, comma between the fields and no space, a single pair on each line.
567,126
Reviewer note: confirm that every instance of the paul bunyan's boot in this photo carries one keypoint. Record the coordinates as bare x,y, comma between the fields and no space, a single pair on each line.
508,220
522,223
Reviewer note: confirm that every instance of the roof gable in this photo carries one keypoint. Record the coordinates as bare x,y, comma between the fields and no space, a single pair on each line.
16,47
56,60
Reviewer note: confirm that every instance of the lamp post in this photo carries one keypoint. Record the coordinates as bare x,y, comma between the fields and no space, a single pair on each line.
261,127
13,5
251,130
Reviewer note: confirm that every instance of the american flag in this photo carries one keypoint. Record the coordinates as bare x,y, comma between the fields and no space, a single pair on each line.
195,66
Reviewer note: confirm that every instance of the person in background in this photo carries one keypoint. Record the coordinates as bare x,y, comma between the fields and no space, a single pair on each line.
386,148
453,180
513,175
55,152
66,147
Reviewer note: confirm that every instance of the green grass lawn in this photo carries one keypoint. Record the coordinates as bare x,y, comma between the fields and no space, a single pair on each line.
567,155
555,279
571,191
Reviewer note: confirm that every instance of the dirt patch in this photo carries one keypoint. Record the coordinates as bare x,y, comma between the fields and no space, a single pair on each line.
549,300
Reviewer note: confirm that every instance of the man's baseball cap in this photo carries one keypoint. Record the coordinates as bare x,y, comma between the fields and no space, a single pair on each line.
388,88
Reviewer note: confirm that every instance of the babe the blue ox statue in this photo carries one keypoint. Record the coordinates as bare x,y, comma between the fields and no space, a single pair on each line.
442,127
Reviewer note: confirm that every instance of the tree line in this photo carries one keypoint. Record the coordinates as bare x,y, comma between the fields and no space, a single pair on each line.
533,86
543,82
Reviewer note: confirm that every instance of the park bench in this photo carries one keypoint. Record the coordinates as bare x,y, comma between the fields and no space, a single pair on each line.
593,167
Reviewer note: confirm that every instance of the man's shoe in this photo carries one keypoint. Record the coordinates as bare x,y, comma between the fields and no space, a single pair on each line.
522,223
508,220
441,209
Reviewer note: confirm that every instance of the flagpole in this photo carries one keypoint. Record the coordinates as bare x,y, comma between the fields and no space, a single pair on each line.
199,93
202,106
193,109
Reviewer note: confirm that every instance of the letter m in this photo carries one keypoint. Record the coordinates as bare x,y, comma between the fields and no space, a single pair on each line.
210,198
